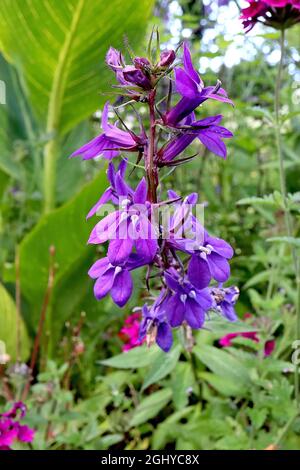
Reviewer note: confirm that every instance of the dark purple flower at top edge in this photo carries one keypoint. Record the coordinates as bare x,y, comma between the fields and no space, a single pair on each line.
111,142
191,87
154,326
224,300
206,130
186,302
11,429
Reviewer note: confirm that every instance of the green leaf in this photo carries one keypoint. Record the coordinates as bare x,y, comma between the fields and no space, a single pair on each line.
150,407
219,326
66,230
134,359
225,386
162,366
8,328
182,383
224,365
289,240
60,49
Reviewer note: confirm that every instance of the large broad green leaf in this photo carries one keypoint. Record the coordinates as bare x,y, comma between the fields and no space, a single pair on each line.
9,328
11,125
60,46
66,230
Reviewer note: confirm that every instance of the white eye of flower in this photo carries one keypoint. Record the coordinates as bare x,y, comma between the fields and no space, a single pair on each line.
206,249
125,203
192,294
134,219
183,298
118,270
203,255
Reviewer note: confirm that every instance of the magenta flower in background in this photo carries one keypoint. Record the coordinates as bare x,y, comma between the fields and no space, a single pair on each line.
130,332
10,428
269,345
280,14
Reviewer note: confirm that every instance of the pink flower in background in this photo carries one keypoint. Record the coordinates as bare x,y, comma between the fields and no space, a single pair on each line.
129,333
10,428
226,340
276,13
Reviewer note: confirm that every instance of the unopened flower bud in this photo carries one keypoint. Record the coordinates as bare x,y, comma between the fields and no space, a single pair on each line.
166,58
136,77
141,62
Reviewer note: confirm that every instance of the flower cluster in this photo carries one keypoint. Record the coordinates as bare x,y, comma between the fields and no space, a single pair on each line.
144,229
10,428
280,14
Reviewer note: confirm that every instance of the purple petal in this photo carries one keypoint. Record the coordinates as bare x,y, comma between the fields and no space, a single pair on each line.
194,315
188,65
119,251
105,229
122,288
208,121
140,194
172,283
198,272
164,337
103,199
104,284
99,268
177,145
219,267
220,246
228,311
175,309
185,85
212,142
204,299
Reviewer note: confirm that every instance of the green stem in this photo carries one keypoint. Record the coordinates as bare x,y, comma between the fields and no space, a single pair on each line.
49,181
287,214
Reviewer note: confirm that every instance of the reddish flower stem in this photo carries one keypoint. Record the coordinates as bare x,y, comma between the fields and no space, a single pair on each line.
150,166
38,337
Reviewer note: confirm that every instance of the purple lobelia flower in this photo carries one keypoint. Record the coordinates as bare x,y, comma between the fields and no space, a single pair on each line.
128,227
186,303
191,87
206,130
209,261
224,300
155,326
114,279
111,142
